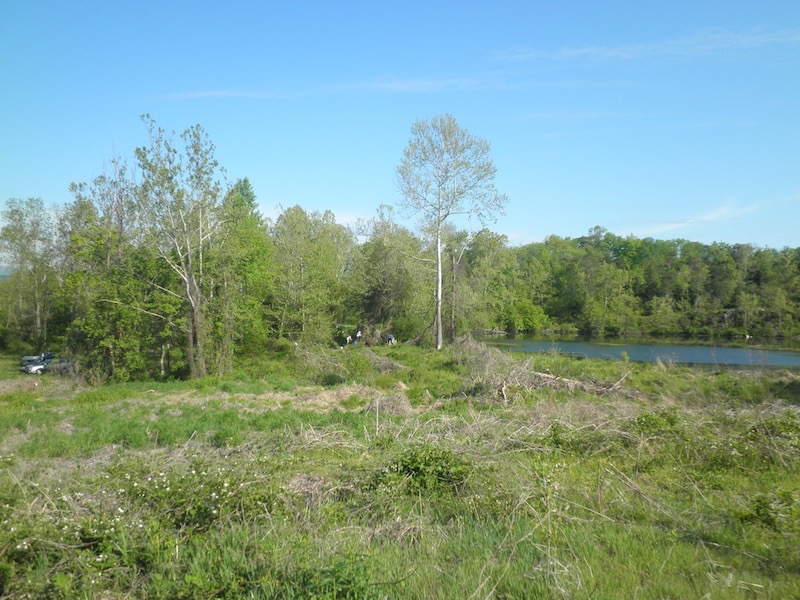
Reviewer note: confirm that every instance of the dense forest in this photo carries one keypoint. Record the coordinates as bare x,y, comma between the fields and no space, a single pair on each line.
170,273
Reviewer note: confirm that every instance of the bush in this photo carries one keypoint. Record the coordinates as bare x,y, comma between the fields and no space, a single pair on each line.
778,511
426,469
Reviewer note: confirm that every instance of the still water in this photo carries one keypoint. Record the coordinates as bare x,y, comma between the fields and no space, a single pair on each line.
648,352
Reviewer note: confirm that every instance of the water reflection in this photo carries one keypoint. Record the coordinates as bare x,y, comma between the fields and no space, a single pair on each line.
649,352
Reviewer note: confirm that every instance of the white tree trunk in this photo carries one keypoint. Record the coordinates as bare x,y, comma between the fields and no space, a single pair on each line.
439,340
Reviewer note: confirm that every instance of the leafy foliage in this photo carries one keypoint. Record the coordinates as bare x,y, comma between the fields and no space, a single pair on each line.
425,469
163,271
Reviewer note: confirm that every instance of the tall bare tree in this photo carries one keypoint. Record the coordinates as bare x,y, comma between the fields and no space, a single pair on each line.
445,172
180,198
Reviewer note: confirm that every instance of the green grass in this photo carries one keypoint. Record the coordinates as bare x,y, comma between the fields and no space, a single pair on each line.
274,482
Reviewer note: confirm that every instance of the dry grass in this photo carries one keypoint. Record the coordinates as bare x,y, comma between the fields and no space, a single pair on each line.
569,490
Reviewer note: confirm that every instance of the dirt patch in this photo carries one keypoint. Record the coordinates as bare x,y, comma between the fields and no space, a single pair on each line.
11,442
327,399
66,426
34,383
311,398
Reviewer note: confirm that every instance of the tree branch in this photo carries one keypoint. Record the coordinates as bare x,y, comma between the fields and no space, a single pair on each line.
136,308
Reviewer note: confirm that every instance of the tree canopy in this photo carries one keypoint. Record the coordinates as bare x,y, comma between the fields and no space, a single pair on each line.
446,171
164,270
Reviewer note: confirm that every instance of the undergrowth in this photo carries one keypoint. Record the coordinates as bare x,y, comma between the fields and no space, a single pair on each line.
646,481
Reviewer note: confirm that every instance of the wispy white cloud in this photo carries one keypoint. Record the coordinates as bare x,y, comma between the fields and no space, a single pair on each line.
486,82
652,123
420,85
389,85
231,94
727,212
705,43
585,115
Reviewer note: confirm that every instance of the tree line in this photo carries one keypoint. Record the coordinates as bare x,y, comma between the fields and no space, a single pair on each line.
163,271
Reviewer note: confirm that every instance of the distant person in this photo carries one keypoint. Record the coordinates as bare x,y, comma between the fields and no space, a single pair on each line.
391,340
358,335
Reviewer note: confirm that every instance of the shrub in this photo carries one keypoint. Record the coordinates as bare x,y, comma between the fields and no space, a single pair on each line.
198,496
655,422
426,469
778,511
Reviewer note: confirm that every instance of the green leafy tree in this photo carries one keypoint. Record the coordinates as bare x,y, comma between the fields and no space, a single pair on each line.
610,304
493,273
242,274
535,281
122,314
724,277
562,258
27,244
388,282
386,278
659,266
180,199
662,319
455,246
446,172
771,275
748,306
312,254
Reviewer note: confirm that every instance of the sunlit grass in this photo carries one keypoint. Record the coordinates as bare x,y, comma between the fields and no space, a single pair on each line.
676,483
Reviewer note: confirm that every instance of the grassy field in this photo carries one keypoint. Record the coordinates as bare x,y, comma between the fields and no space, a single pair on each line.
404,473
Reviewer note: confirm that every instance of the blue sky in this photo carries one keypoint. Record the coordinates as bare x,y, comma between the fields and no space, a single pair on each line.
656,119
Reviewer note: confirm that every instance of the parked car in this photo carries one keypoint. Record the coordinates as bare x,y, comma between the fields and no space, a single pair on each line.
28,362
36,368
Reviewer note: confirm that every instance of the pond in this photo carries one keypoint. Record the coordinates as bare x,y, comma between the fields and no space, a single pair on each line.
652,352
